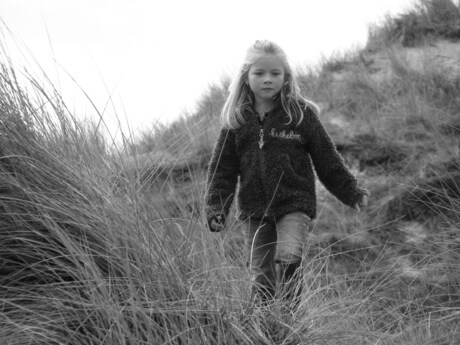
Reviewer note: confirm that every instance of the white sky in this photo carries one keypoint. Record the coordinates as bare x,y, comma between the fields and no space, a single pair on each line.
156,57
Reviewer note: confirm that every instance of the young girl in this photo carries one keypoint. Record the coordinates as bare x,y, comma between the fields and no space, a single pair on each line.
270,141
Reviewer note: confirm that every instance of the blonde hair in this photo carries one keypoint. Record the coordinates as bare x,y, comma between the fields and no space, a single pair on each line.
241,97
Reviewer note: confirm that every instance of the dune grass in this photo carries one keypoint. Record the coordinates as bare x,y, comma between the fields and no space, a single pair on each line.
98,247
425,21
86,263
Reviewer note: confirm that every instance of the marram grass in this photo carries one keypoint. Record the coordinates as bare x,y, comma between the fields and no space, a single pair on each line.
83,263
84,260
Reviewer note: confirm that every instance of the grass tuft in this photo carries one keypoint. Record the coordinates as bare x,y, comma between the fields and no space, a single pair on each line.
107,245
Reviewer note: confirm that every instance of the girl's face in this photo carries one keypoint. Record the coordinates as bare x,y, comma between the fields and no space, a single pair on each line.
266,78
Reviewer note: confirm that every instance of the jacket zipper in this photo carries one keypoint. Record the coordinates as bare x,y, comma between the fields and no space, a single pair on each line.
261,137
261,131
261,165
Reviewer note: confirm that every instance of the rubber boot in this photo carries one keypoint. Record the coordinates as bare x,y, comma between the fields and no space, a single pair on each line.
263,294
291,283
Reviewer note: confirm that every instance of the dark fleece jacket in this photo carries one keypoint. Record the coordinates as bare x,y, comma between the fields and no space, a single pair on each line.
276,178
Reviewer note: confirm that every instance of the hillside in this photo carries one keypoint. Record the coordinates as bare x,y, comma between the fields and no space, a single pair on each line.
393,114
392,109
103,244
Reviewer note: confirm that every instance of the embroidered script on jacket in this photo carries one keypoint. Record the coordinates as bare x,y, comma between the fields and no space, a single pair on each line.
285,135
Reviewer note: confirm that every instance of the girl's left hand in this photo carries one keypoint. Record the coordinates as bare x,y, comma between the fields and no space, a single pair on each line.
361,203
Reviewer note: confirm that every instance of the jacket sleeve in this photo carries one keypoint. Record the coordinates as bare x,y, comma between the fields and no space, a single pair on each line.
329,164
222,176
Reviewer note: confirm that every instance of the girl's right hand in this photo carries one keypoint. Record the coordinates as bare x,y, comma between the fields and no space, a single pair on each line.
217,224
361,203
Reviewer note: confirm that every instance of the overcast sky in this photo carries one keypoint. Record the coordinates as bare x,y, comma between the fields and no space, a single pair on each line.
156,57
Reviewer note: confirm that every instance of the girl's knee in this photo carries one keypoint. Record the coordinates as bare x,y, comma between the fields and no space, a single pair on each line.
289,252
295,219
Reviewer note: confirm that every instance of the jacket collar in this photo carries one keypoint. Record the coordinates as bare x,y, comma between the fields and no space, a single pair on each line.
250,113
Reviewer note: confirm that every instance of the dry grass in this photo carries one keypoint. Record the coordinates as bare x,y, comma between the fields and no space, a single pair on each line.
101,248
426,21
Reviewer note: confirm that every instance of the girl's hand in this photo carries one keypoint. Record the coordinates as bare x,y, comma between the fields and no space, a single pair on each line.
361,203
217,224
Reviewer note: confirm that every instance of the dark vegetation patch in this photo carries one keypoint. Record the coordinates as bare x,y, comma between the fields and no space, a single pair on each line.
451,129
427,20
372,151
435,198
